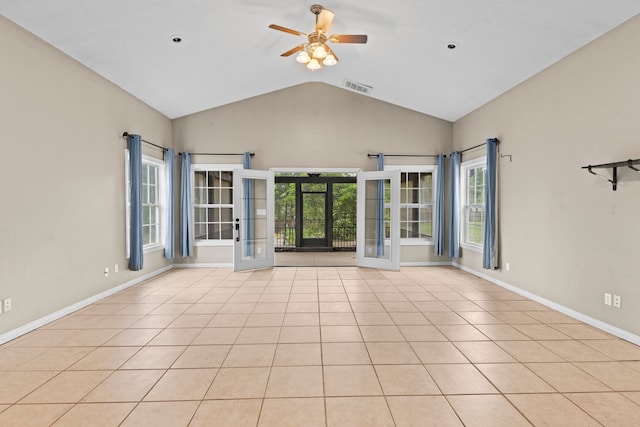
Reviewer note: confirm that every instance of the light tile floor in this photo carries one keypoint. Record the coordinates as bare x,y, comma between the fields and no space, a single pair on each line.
318,346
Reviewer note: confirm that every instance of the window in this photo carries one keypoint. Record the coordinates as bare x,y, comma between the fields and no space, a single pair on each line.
417,186
150,204
213,204
153,203
473,215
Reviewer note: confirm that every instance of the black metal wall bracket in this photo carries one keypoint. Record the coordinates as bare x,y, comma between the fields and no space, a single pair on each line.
614,166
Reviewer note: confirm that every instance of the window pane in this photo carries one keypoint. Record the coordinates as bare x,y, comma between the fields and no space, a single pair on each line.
413,214
413,229
214,231
426,188
404,198
387,191
145,215
200,179
471,177
199,215
213,196
226,231
153,171
426,214
153,234
145,235
199,196
226,179
153,195
213,179
226,214
226,196
412,180
426,229
200,230
213,214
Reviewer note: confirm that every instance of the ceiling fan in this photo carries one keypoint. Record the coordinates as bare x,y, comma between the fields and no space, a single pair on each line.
315,53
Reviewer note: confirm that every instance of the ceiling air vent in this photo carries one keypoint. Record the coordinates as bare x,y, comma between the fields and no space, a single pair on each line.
358,87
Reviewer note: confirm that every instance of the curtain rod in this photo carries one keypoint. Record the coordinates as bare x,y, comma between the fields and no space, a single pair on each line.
126,134
474,147
219,154
404,155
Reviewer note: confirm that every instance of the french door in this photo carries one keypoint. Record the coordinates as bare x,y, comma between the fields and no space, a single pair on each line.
254,221
378,230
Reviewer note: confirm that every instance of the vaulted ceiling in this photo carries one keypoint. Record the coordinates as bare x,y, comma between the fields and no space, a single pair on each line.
228,53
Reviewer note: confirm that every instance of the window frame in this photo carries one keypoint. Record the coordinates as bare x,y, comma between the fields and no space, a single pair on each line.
406,169
161,199
480,162
213,167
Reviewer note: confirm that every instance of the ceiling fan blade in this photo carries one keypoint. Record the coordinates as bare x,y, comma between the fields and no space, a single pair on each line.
348,38
324,20
294,50
286,30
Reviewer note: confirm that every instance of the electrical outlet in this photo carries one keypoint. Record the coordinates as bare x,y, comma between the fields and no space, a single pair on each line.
106,272
617,301
607,299
507,267
7,305
115,268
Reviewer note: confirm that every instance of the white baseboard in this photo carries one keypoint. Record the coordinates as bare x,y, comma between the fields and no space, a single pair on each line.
205,265
425,264
613,330
11,335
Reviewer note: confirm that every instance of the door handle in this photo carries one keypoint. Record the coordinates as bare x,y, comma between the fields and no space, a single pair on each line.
237,229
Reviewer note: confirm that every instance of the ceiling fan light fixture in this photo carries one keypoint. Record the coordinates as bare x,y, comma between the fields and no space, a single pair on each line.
316,53
330,60
303,57
313,64
319,51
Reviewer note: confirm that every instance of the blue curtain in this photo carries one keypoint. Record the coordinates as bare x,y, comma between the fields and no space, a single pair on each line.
186,226
490,249
454,226
438,235
380,232
169,158
135,193
248,207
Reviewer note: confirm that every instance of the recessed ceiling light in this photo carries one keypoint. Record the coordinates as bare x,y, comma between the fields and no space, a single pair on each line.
452,45
176,38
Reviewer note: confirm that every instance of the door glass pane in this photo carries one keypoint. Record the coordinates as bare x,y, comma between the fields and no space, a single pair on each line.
377,218
254,229
213,179
313,215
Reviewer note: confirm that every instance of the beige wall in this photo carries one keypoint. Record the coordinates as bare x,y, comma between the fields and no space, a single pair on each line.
312,126
567,236
62,218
